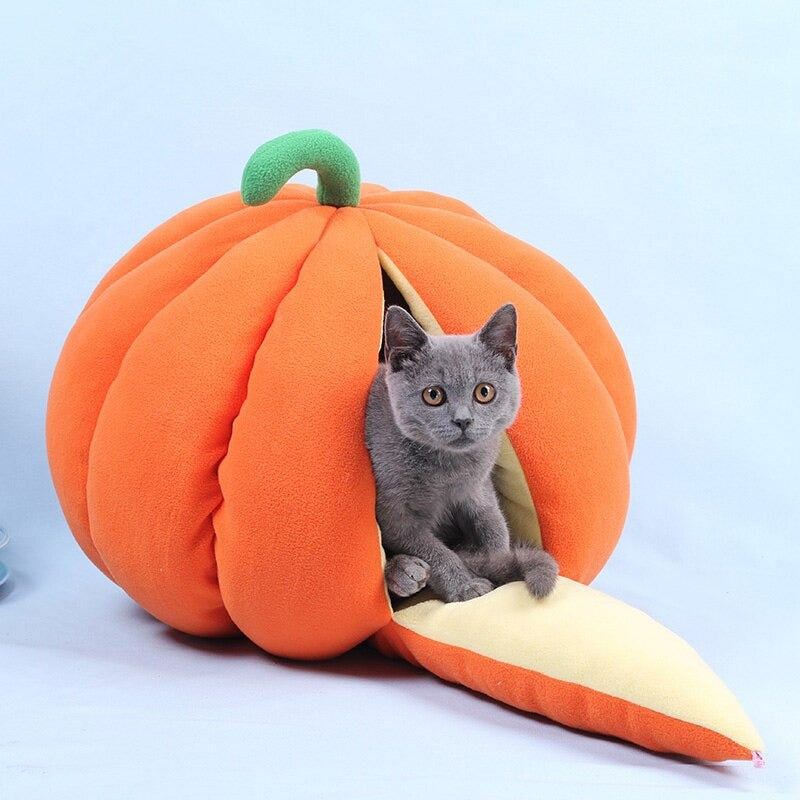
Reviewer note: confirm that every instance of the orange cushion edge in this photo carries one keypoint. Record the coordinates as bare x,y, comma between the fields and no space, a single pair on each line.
567,703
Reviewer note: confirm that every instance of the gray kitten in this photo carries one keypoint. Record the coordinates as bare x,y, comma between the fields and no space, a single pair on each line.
435,414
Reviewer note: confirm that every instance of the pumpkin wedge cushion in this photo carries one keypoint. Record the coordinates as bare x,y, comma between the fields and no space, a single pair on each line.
205,435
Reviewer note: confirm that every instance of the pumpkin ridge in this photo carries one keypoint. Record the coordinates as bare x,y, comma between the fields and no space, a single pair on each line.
102,287
169,567
151,244
212,514
159,311
71,483
321,590
377,199
255,355
629,440
580,535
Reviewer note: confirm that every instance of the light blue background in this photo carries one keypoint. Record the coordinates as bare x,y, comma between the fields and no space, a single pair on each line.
650,147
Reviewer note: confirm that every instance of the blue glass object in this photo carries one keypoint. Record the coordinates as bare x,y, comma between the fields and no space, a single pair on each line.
4,573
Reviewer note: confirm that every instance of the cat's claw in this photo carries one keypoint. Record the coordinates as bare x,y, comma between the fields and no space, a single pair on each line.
406,575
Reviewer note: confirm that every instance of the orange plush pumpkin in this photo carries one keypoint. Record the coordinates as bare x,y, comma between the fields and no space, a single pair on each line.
205,423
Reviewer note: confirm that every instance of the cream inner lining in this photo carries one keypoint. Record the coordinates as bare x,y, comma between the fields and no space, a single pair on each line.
509,479
585,637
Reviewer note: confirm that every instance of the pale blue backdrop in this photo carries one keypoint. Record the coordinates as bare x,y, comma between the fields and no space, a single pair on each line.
650,147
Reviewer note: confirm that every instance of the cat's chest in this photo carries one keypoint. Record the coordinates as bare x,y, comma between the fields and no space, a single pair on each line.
444,482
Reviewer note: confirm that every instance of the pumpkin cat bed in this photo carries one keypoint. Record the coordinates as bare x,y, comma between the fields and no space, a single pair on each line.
205,432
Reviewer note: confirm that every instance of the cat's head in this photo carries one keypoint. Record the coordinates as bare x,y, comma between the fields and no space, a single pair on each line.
452,392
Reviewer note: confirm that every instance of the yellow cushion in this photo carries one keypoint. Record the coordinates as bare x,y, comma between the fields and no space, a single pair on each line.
581,658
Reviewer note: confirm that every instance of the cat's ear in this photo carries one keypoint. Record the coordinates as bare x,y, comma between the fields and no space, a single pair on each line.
499,334
403,339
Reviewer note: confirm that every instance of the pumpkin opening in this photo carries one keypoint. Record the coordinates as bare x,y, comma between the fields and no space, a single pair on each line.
508,477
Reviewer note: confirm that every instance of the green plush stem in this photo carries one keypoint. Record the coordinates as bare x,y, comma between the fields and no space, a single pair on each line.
271,166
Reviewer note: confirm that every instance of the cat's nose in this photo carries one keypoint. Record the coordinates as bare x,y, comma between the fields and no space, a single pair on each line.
462,422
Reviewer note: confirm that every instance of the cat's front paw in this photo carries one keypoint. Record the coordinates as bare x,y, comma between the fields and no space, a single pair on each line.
469,590
406,575
539,570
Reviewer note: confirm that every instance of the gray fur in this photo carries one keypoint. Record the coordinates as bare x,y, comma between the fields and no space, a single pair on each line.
436,505
406,575
522,562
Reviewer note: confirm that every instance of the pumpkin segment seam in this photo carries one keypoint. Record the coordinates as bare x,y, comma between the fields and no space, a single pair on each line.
373,202
500,272
301,206
159,311
603,396
264,576
522,288
247,382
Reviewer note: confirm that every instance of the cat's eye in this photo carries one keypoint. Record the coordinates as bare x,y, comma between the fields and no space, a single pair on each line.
484,393
434,395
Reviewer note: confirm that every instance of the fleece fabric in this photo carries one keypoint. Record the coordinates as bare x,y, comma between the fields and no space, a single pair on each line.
276,161
205,432
581,658
174,337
